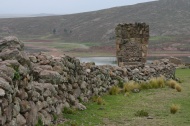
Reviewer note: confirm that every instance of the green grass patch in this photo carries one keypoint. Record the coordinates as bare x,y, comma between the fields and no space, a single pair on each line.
120,110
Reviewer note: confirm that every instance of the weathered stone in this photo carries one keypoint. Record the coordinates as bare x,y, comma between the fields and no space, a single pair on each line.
72,99
33,59
13,122
50,76
66,104
21,121
39,105
7,70
5,85
16,109
2,92
11,42
80,106
8,112
83,85
47,118
25,106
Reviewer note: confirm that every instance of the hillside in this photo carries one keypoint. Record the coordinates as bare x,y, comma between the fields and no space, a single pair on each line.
165,17
168,20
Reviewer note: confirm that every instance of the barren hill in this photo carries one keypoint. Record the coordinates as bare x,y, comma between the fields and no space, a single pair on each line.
165,17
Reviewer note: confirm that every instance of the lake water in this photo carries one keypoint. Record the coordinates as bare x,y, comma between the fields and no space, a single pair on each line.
112,60
99,60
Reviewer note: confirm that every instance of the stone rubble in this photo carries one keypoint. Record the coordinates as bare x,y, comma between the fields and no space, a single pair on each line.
34,86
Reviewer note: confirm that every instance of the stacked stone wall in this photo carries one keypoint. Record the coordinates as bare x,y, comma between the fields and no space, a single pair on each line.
39,85
131,43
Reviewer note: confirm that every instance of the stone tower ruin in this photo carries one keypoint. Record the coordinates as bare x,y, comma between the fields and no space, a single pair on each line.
131,43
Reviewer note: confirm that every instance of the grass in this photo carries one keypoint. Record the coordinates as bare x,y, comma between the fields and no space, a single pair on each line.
114,90
141,113
130,86
120,110
174,108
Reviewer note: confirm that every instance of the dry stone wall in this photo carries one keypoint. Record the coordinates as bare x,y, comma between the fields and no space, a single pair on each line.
131,43
39,85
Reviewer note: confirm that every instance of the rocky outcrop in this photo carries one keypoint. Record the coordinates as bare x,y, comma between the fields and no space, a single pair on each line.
38,85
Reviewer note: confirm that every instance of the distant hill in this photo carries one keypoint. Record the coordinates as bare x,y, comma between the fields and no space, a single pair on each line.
165,17
24,15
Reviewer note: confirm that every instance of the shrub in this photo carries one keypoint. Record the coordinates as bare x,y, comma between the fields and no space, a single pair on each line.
55,118
161,81
130,86
172,83
16,75
68,110
145,85
154,83
94,98
141,113
178,87
174,108
120,84
40,122
99,101
114,90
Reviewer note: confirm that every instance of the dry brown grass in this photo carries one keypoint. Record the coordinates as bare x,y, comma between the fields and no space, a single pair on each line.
178,87
99,101
114,90
174,108
161,81
131,85
172,83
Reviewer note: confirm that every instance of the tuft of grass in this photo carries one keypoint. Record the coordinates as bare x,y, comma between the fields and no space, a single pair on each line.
100,101
68,111
141,113
171,83
74,124
120,84
55,117
145,85
161,81
154,83
130,86
114,90
178,87
174,108
94,98
40,122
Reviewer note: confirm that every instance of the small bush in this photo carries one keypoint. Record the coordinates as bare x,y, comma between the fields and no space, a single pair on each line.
131,86
174,108
154,83
145,85
16,76
94,98
68,110
74,124
55,118
114,90
120,84
100,101
40,122
178,87
172,83
141,113
161,81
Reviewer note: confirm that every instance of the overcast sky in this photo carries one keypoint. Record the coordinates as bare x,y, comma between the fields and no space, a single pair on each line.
59,6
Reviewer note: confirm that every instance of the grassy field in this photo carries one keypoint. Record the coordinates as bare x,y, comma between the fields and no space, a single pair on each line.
121,110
